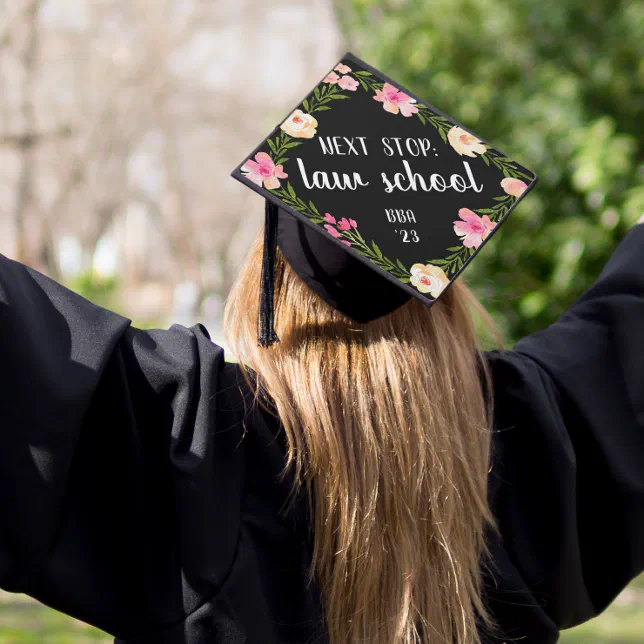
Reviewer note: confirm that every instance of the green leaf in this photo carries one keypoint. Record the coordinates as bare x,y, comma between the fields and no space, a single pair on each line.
281,160
501,198
439,262
290,190
443,135
376,249
406,280
313,208
455,248
401,266
292,144
421,118
271,145
364,85
338,96
305,105
487,161
361,73
324,89
321,108
485,211
316,91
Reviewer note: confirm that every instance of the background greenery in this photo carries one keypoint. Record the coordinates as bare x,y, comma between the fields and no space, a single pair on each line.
559,86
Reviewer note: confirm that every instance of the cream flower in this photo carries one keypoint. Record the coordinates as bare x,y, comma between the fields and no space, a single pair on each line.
343,69
464,143
514,187
428,278
300,125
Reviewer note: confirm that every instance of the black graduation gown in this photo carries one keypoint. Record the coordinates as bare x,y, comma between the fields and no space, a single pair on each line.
138,483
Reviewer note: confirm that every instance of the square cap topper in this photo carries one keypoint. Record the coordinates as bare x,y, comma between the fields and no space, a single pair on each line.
403,187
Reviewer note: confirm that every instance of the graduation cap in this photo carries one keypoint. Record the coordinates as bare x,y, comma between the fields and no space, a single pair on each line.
374,196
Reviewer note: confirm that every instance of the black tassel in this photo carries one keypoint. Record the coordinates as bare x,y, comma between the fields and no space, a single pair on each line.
267,335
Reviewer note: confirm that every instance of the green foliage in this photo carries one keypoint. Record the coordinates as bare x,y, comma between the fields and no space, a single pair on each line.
97,289
556,85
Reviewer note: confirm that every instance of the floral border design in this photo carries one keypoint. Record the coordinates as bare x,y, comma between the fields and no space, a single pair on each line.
345,230
473,227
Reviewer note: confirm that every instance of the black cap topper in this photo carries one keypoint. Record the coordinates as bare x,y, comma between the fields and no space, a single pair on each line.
374,196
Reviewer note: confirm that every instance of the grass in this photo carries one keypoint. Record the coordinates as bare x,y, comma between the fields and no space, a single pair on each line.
25,621
621,623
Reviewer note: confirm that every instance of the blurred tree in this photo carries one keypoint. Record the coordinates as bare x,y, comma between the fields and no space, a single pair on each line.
557,85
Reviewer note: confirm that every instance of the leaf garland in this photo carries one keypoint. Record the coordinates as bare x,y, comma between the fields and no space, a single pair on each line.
374,254
320,99
288,196
280,145
366,81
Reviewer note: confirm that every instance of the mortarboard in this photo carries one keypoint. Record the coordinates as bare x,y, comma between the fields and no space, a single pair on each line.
374,196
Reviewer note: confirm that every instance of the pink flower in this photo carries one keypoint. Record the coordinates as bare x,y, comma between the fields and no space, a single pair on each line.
344,241
331,78
329,217
395,101
514,187
263,170
353,223
344,224
343,69
332,231
346,82
473,229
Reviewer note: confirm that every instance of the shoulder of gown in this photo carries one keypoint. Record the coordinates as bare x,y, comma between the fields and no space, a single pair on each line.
567,481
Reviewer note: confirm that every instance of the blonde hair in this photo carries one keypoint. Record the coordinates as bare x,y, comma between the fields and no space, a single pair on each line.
388,427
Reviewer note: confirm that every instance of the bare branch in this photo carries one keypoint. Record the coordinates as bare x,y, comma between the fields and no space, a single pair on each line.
8,26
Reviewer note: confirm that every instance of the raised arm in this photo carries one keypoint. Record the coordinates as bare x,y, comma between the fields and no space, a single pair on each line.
568,478
108,443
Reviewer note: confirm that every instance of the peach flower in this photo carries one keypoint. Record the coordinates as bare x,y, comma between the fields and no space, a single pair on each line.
300,125
464,143
395,101
346,82
473,229
264,171
514,187
332,78
343,69
428,278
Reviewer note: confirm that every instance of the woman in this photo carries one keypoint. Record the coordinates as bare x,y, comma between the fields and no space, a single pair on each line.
382,482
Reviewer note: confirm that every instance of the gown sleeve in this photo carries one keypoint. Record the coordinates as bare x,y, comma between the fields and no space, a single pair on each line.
111,437
567,481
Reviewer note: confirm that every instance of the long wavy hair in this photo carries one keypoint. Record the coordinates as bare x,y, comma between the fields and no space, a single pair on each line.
388,427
